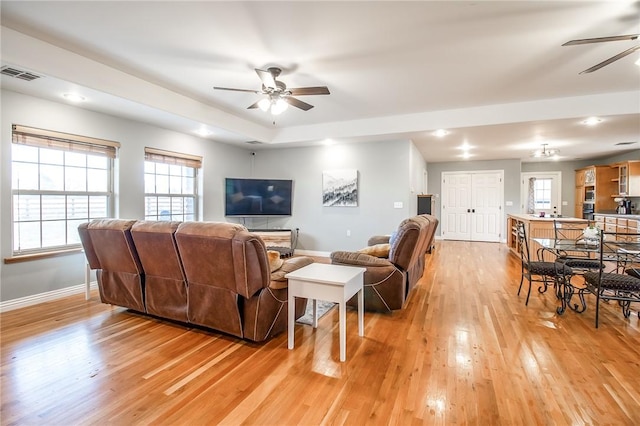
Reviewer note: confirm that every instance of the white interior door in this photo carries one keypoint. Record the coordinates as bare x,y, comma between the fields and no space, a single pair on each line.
472,206
486,210
456,205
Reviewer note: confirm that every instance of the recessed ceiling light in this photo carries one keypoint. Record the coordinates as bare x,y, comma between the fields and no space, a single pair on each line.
440,133
203,132
592,121
328,142
73,97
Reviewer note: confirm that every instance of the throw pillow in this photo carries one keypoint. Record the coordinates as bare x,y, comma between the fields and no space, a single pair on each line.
274,260
378,250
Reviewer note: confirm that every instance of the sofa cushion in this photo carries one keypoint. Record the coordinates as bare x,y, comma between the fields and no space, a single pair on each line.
278,280
359,259
377,250
274,260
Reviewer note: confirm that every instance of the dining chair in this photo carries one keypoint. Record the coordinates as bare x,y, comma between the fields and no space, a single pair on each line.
579,261
540,271
620,253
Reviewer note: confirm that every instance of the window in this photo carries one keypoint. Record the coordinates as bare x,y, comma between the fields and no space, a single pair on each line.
170,185
58,182
542,191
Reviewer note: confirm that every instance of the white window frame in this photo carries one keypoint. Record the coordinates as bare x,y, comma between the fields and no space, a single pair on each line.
172,160
55,141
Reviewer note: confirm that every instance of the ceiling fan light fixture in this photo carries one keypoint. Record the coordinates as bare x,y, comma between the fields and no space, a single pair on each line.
264,104
279,106
546,152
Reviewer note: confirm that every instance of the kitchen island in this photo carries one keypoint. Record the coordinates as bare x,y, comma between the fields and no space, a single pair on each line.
535,227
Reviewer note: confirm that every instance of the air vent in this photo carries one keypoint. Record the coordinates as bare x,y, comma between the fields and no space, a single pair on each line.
624,143
254,142
16,73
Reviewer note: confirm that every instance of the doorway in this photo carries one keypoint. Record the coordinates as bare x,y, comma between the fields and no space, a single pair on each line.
541,192
472,205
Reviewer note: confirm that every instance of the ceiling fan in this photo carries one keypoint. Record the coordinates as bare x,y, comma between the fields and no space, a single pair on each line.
277,95
602,40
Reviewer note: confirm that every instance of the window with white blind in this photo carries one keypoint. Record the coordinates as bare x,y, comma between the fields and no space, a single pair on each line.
171,185
59,181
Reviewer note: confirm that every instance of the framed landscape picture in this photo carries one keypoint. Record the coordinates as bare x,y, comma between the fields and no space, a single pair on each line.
340,188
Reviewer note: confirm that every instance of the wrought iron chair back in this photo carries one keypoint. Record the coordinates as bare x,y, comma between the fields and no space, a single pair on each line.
619,280
537,270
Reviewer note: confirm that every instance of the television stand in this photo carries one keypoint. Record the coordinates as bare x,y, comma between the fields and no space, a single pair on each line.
280,240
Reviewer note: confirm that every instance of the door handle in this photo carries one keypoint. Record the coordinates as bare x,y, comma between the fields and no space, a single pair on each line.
473,210
468,210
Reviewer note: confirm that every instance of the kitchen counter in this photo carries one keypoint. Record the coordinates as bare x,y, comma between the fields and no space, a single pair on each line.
536,218
535,227
621,216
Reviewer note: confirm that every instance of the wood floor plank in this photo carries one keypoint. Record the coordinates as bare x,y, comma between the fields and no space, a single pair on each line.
465,350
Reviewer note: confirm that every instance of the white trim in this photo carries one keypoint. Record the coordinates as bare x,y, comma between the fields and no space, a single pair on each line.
23,302
313,253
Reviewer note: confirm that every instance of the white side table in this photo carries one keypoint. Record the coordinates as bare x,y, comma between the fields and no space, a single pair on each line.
334,283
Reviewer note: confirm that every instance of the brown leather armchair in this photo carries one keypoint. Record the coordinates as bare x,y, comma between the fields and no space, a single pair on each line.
388,281
109,248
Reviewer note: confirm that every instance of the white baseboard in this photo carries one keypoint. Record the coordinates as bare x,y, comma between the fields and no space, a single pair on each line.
313,253
48,296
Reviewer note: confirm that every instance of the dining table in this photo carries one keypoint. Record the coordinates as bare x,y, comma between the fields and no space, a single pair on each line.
611,253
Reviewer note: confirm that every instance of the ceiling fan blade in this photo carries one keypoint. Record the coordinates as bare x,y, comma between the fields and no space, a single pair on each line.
236,90
611,59
301,91
601,39
266,78
253,105
297,103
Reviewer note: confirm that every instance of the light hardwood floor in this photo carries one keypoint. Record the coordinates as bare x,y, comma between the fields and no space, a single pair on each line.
464,351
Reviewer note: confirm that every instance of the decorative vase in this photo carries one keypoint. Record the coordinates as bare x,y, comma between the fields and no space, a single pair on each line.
591,235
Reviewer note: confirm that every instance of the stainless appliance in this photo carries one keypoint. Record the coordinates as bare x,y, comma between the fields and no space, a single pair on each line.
624,207
588,211
590,196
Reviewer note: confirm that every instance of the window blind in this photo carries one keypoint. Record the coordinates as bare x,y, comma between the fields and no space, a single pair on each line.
175,158
63,141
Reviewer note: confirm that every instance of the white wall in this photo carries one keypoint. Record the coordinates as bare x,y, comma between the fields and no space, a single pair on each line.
34,277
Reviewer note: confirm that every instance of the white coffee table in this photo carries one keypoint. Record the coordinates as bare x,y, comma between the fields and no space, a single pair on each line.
334,283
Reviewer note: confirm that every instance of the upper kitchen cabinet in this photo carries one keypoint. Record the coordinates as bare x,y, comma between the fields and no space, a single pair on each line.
600,182
627,179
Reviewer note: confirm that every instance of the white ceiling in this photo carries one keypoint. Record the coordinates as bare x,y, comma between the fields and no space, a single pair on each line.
492,72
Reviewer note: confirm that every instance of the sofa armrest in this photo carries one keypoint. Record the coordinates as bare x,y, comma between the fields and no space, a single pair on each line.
378,239
357,259
278,281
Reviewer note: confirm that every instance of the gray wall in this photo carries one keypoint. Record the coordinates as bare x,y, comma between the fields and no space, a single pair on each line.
34,277
383,179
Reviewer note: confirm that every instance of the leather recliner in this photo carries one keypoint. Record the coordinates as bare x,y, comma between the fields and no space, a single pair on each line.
388,281
165,283
110,250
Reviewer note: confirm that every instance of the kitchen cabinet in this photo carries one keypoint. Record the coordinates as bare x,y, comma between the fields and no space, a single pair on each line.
600,182
625,224
579,194
628,179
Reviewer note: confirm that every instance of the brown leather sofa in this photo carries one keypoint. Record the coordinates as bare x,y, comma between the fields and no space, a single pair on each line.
388,281
210,274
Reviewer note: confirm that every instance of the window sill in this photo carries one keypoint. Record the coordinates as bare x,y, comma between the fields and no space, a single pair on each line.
39,256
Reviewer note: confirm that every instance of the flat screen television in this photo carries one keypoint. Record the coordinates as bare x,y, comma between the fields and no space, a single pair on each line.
257,197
